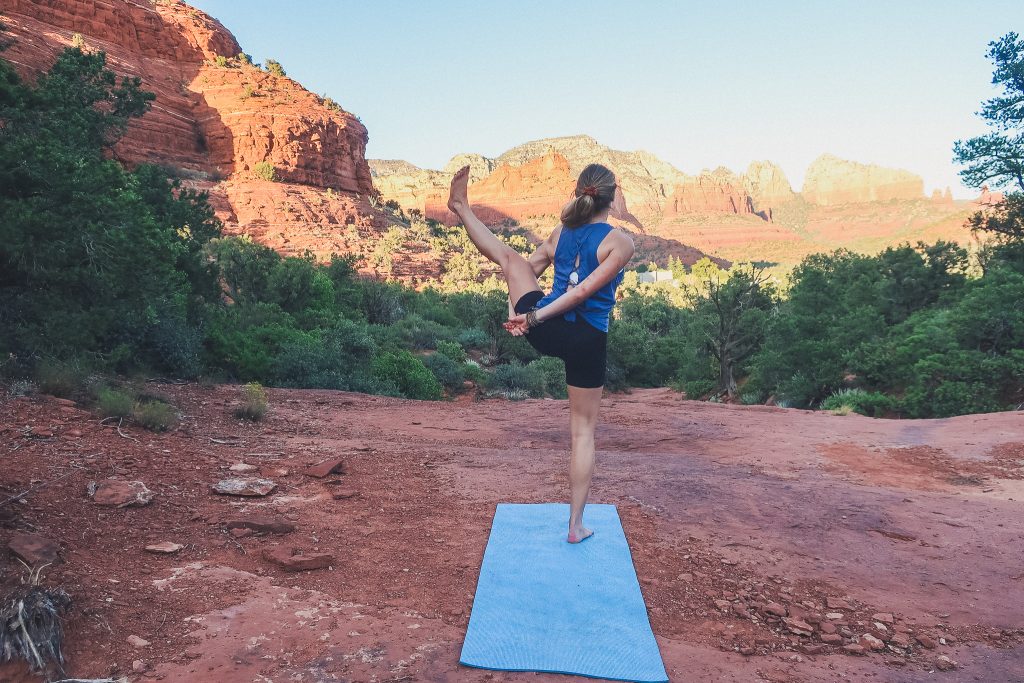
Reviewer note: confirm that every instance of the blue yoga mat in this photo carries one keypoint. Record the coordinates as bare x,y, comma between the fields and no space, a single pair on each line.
543,604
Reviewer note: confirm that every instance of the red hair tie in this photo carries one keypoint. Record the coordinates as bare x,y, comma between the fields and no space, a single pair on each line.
589,189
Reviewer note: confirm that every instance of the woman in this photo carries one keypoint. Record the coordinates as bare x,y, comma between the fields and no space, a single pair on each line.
571,322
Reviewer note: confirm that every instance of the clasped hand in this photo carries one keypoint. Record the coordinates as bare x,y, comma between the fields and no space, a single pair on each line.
517,325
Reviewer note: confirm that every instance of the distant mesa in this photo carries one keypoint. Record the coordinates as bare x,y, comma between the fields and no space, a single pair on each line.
940,197
831,180
718,190
539,187
654,189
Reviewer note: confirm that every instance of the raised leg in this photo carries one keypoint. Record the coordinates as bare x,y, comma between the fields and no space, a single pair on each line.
518,272
584,405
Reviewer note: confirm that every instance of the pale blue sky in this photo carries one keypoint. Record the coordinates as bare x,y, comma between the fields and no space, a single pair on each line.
700,85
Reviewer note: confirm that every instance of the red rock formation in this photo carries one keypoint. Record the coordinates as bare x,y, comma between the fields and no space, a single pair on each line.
831,180
989,198
203,118
210,121
719,190
540,187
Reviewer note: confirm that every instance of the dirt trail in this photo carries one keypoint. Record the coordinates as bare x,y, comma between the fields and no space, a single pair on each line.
732,513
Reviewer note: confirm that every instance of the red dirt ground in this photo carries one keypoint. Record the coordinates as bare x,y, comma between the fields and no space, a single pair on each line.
726,508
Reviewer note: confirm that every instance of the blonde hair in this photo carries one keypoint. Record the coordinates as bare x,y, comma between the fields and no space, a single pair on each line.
595,191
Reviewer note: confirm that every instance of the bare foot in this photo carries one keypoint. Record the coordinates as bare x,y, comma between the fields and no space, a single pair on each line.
458,198
578,535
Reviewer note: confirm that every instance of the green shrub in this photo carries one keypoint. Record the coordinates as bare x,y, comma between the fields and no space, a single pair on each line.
221,61
274,67
553,371
473,339
254,403
697,388
265,170
515,381
449,373
155,416
452,350
408,373
870,403
114,402
59,378
420,334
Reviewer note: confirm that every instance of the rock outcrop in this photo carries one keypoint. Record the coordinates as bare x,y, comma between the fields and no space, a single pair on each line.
767,186
407,184
216,117
539,187
831,180
718,190
989,198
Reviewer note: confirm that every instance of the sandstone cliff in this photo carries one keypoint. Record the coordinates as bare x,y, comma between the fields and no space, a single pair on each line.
767,186
539,187
830,180
718,190
215,117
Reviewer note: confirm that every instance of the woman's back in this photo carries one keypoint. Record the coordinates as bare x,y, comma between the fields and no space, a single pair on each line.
577,252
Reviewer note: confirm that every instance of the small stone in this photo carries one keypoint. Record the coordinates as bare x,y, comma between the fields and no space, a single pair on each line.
853,649
75,432
723,604
261,525
884,617
746,651
827,627
292,559
137,642
944,663
869,641
776,609
326,468
34,549
809,649
834,616
164,548
244,486
800,628
831,638
64,402
687,577
926,640
139,666
900,640
243,468
122,494
343,494
41,432
836,603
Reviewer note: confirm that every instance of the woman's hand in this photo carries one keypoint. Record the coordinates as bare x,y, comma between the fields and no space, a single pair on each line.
517,325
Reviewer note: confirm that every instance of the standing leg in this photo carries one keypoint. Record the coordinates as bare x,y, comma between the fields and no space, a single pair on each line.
584,405
517,270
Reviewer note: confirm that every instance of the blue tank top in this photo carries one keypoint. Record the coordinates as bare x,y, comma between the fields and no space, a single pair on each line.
584,241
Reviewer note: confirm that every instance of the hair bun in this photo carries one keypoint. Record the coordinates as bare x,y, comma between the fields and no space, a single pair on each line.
589,190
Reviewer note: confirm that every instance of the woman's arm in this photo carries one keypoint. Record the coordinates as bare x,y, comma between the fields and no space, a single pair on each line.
544,255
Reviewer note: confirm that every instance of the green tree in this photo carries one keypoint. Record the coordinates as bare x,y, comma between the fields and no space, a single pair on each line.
732,313
997,158
274,67
94,260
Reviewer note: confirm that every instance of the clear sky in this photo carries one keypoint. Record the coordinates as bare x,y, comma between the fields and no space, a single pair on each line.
700,84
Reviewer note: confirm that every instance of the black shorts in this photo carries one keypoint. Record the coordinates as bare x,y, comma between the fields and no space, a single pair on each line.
583,347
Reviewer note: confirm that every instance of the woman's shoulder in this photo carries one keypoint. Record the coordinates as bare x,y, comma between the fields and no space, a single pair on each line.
617,237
